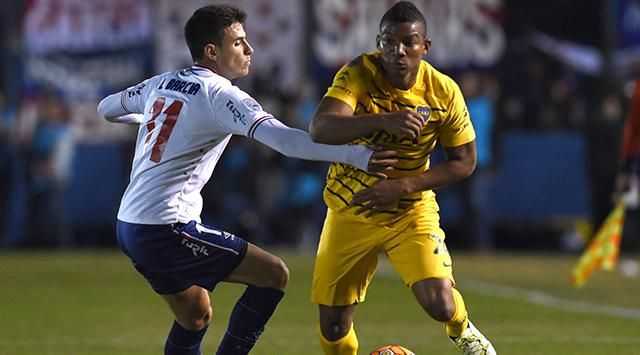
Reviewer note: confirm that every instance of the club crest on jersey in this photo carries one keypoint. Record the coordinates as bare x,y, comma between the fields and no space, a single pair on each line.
425,111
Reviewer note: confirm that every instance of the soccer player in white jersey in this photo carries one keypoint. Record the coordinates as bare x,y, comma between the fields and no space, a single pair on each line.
186,119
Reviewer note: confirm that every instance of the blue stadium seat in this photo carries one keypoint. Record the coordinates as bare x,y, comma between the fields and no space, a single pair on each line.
97,184
541,177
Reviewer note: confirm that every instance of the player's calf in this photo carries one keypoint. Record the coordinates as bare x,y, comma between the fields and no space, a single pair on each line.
247,321
182,341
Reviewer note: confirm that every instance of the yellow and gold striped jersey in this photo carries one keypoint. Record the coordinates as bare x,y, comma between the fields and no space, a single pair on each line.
361,85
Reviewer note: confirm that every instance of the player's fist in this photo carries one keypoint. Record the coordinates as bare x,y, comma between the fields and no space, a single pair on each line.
403,124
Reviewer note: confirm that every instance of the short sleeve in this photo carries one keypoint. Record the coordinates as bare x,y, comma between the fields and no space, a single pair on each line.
237,112
347,85
457,128
133,99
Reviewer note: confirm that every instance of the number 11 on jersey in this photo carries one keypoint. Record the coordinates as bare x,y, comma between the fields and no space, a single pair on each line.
172,112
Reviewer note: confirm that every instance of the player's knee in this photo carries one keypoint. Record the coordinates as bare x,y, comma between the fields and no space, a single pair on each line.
279,275
198,320
335,330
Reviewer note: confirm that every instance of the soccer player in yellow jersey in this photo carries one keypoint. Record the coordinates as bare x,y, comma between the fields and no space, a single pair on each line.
394,99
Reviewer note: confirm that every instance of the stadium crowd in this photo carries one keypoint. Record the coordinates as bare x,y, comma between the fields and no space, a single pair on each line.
280,200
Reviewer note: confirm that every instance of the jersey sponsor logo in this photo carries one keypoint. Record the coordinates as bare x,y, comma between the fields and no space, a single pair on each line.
196,249
185,87
237,115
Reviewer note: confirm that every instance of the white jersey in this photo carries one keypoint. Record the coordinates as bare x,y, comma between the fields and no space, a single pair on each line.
189,117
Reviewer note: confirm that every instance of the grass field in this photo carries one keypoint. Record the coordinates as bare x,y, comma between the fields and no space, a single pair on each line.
93,303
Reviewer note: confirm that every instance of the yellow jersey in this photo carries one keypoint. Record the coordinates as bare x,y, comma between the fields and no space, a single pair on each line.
361,85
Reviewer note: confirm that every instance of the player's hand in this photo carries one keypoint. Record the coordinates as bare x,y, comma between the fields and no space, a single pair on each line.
403,124
627,190
622,186
382,161
383,195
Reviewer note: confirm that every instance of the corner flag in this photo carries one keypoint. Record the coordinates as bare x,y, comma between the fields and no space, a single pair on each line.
602,252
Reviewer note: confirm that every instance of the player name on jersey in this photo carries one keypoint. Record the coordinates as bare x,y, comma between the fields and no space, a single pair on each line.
185,87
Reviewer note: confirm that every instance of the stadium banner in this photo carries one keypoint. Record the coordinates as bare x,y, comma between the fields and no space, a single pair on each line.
275,29
85,25
83,50
463,32
86,48
89,75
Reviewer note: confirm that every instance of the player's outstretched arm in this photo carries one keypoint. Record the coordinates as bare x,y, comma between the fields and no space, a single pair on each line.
296,143
334,123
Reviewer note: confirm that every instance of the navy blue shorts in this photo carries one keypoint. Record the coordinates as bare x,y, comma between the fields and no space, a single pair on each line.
175,257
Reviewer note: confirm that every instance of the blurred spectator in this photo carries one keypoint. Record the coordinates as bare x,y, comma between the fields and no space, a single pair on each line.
479,91
564,108
41,168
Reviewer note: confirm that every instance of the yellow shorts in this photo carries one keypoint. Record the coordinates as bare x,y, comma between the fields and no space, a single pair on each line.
348,256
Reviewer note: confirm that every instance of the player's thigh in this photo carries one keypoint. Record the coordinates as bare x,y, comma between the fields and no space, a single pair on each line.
260,268
346,261
420,256
191,307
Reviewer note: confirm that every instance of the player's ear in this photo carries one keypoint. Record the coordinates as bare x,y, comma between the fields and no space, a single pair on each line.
210,51
427,45
379,41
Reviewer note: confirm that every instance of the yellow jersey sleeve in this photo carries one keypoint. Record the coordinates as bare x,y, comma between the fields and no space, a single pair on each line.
347,85
457,128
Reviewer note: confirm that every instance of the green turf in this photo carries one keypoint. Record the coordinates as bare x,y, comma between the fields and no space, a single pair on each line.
86,303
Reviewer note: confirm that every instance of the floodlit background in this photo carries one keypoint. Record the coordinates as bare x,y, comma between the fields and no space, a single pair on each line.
548,87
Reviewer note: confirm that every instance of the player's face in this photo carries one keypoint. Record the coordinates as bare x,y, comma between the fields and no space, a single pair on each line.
233,57
403,45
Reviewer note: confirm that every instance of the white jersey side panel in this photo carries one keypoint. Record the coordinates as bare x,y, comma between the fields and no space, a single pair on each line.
189,117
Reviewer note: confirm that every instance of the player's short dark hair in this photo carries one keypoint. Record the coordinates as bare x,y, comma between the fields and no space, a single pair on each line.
207,25
403,11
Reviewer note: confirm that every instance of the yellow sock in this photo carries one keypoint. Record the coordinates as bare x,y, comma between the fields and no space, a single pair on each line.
347,345
459,321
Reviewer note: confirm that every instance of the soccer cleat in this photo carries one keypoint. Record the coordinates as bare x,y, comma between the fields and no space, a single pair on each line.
472,342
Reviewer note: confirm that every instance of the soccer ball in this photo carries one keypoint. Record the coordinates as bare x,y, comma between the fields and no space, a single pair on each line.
393,349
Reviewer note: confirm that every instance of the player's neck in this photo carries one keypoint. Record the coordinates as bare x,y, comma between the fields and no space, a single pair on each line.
397,81
209,65
402,83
